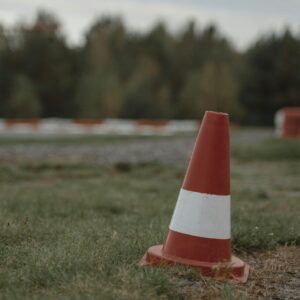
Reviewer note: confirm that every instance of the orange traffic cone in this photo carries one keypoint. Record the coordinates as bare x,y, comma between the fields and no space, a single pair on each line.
199,232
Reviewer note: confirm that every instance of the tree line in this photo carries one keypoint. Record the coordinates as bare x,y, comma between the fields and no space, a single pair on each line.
157,75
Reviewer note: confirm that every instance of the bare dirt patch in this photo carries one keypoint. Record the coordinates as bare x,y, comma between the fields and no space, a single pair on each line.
273,275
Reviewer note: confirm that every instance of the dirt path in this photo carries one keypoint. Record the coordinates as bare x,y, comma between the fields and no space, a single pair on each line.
165,150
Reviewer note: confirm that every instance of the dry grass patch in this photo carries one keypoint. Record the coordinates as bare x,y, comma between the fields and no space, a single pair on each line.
273,275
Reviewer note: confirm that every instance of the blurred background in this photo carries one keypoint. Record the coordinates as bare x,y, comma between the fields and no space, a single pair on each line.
159,60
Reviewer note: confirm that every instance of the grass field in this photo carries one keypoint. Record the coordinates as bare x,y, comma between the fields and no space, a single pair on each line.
78,230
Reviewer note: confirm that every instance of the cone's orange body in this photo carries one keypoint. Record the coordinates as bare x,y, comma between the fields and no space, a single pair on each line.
199,232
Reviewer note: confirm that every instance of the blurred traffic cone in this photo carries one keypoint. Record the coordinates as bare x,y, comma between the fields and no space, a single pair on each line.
199,232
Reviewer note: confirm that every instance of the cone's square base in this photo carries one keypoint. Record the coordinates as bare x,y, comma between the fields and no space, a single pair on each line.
235,269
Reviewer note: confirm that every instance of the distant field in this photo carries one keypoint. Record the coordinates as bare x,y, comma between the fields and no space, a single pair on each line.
75,224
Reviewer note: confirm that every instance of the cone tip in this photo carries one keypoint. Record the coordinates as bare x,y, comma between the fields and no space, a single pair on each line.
216,116
216,113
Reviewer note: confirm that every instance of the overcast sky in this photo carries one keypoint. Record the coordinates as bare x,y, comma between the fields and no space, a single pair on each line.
241,21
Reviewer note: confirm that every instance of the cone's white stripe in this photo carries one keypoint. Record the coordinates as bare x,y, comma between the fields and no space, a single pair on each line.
202,215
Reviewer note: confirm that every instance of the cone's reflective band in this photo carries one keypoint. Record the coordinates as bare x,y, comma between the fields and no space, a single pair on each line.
200,227
202,215
199,232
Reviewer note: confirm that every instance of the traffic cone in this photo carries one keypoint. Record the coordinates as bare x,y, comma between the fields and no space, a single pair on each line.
199,232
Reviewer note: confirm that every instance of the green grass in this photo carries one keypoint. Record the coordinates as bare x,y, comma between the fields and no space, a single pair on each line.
76,231
271,149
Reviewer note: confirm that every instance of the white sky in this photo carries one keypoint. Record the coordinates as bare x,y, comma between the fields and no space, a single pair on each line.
241,21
